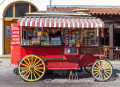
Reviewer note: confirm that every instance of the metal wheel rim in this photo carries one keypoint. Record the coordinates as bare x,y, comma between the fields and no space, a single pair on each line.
102,70
31,68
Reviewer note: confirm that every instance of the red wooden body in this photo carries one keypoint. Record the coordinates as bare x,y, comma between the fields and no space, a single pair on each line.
55,58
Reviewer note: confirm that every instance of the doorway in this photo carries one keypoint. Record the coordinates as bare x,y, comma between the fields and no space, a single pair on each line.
14,11
7,37
117,39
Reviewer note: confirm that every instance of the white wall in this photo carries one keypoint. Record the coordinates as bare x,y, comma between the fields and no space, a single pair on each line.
1,36
40,4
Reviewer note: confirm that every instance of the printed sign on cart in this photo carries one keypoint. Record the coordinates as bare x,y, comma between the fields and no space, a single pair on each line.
15,35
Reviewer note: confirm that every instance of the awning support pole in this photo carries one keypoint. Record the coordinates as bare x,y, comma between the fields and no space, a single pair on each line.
111,40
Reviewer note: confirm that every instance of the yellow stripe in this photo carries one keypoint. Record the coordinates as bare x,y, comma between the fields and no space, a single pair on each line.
5,57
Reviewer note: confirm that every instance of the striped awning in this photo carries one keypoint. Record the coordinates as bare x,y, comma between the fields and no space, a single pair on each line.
65,22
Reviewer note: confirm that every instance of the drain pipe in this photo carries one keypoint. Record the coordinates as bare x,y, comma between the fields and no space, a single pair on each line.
2,2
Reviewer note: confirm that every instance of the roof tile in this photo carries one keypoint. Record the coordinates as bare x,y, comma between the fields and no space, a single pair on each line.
93,11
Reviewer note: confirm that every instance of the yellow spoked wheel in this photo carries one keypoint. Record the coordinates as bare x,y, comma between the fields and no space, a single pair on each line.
31,68
102,70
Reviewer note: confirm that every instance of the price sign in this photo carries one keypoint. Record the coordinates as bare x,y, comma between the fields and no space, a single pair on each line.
14,34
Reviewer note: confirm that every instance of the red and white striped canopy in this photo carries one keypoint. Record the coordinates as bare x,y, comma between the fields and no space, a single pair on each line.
65,22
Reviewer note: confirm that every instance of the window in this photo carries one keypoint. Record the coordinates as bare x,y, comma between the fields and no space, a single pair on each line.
19,9
41,37
33,9
90,37
9,12
71,50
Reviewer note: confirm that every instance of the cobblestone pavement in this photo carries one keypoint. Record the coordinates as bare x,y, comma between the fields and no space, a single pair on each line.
8,79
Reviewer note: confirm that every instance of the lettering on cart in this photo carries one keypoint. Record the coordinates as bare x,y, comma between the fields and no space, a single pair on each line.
15,35
15,28
15,39
15,32
14,42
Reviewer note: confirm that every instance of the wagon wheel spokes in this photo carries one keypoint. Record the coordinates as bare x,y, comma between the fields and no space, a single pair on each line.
31,68
102,70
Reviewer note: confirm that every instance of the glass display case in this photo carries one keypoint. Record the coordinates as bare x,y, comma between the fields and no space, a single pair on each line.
90,37
41,37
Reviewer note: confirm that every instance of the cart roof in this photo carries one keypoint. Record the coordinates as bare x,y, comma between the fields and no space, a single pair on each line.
61,19
78,12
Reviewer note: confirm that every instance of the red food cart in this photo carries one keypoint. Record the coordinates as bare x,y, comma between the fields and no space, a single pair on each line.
43,41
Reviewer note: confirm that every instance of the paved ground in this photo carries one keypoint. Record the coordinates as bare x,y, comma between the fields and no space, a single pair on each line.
8,79
6,55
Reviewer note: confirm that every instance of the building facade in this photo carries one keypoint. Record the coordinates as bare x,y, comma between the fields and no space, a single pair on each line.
14,9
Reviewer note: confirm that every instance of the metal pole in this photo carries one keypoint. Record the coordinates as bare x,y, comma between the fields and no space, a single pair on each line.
50,5
111,40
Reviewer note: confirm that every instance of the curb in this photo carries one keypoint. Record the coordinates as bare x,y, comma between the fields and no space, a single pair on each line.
5,57
115,62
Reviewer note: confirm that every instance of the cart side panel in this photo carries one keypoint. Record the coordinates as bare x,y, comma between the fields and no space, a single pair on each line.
45,53
55,59
87,59
61,65
67,63
15,47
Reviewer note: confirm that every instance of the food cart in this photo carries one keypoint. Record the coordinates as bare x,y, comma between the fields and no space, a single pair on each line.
43,41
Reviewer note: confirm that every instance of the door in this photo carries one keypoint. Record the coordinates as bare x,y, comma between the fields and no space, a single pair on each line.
7,37
117,39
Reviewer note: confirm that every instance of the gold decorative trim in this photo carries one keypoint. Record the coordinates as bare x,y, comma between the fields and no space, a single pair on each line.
14,10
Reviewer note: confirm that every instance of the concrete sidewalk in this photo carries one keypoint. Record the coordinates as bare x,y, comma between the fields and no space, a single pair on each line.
115,62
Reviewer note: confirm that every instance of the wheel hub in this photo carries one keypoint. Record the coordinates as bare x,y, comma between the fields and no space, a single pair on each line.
31,68
102,70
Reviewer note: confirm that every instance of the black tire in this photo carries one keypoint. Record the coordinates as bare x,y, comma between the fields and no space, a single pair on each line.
88,68
15,71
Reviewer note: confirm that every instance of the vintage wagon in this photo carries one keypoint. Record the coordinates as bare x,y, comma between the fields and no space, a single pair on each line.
43,41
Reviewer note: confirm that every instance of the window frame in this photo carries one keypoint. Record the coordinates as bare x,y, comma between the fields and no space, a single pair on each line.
30,4
97,38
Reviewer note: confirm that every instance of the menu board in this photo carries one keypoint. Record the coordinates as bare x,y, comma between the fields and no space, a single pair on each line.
14,34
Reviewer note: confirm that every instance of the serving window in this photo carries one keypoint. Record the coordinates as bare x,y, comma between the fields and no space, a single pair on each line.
57,36
90,37
41,36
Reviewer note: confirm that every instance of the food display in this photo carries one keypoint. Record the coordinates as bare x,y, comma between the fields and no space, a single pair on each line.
41,36
89,38
72,37
45,37
68,37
